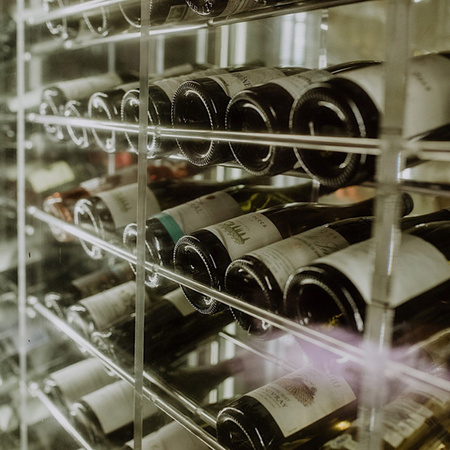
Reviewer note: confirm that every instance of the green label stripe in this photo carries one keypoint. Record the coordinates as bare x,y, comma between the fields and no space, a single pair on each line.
170,225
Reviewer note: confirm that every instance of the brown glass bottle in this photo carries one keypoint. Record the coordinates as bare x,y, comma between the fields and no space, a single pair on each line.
61,204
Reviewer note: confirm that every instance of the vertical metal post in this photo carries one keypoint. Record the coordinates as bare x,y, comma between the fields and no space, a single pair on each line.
141,217
387,237
21,225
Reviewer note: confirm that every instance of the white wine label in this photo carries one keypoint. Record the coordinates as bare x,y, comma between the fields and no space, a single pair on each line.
112,306
171,437
81,378
170,85
54,175
232,83
178,299
84,87
303,397
296,84
409,277
427,91
402,418
245,233
114,405
237,6
122,203
284,257
199,213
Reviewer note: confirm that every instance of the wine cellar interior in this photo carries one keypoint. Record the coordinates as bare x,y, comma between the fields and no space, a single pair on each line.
225,224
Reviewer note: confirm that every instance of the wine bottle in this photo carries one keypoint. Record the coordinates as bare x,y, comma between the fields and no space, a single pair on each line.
77,109
86,286
166,337
335,289
55,97
412,421
107,213
66,27
103,310
259,277
67,385
61,204
105,105
266,108
42,179
304,408
165,228
160,95
201,104
351,105
216,8
106,415
172,436
104,21
205,254
160,13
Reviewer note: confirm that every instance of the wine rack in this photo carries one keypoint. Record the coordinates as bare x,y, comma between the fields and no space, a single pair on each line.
220,41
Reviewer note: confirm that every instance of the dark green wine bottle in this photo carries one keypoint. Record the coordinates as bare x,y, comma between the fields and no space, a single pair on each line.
259,277
333,292
204,255
164,229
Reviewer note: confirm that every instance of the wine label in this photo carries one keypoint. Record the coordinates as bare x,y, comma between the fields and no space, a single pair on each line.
170,85
284,257
114,405
303,397
122,204
84,87
112,306
102,280
409,277
246,233
81,378
428,87
199,213
52,176
296,84
178,299
402,418
232,83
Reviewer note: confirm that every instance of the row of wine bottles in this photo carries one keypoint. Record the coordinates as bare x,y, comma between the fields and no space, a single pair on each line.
108,20
342,100
314,407
231,241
